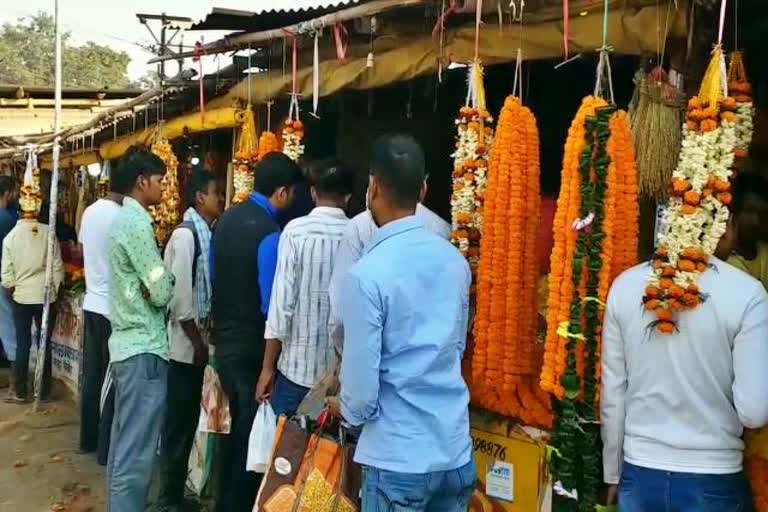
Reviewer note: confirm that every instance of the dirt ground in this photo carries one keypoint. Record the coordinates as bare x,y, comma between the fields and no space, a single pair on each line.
40,470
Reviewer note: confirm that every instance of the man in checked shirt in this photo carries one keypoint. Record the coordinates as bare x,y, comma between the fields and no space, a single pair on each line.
298,350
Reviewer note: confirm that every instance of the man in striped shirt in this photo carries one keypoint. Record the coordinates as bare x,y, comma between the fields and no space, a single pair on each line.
298,350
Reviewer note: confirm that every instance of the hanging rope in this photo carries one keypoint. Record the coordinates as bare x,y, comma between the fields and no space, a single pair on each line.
199,52
566,27
721,24
250,72
316,72
478,22
604,78
341,38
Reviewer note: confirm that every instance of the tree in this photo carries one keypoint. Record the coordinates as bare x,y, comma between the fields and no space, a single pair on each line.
27,57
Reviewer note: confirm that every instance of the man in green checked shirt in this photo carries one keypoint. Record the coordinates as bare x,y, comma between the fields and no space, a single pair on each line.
140,291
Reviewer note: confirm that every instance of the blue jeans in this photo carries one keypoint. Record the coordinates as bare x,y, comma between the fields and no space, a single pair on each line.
442,491
651,490
287,397
7,326
140,384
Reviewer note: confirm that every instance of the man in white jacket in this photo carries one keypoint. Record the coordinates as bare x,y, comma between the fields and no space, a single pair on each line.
674,406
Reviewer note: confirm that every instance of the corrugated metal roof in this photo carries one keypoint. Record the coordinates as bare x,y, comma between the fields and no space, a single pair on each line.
214,18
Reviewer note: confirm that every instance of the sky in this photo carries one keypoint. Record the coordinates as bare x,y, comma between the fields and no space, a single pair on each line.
114,23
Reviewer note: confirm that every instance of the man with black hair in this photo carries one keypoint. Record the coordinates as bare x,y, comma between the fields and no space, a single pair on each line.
298,351
359,233
405,307
95,423
140,290
243,262
7,330
750,216
186,256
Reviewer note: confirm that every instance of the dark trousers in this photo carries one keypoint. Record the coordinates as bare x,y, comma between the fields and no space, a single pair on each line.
652,490
239,375
185,386
95,424
24,315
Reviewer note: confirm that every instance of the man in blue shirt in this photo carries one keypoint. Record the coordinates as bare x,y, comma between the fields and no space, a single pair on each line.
243,262
405,309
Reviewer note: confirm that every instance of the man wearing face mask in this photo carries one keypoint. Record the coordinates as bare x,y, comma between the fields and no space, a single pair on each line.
358,234
243,261
405,311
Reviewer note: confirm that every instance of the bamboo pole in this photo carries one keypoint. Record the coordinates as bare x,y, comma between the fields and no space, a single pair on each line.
53,201
240,41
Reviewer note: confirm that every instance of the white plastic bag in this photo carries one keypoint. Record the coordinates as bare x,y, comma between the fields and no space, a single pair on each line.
262,438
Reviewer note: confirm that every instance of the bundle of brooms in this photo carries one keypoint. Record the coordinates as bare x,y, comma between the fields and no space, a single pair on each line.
656,131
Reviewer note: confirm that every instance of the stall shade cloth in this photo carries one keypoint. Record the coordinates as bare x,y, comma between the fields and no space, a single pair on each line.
398,59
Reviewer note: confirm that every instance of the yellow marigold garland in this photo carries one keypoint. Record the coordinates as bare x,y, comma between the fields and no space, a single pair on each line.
168,213
247,154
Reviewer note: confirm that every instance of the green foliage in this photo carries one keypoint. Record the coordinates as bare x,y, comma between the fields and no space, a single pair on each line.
27,57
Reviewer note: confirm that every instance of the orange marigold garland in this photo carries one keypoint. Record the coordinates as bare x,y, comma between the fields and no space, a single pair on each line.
268,143
697,213
168,213
503,358
293,136
740,90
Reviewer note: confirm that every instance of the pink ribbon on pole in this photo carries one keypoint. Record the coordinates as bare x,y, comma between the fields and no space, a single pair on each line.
721,27
340,36
566,26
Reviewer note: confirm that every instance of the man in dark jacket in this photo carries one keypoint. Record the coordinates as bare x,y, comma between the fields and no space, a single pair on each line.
243,261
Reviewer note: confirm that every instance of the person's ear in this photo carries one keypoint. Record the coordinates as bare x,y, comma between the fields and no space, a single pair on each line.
423,192
313,193
347,199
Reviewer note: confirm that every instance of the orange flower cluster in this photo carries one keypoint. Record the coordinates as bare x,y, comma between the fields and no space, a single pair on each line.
268,143
560,279
740,90
504,359
619,246
245,157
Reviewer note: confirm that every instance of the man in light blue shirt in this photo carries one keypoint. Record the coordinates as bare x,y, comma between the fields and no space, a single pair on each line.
405,308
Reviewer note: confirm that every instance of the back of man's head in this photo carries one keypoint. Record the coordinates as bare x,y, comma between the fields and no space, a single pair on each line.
748,184
276,171
138,161
7,185
332,179
398,164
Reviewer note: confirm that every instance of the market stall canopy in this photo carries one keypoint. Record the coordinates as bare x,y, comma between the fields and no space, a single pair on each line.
250,15
404,54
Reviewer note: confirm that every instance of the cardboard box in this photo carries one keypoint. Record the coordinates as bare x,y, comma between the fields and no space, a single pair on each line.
511,467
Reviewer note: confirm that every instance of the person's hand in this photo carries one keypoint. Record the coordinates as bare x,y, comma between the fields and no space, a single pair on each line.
333,406
611,495
200,357
265,385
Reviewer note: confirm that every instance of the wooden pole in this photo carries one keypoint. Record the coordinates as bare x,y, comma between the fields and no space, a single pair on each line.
48,299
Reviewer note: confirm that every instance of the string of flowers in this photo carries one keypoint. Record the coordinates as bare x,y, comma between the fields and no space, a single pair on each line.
697,214
740,90
595,240
470,168
293,136
268,143
167,214
503,359
245,157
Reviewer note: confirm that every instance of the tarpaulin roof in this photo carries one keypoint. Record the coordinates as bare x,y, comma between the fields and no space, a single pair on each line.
253,15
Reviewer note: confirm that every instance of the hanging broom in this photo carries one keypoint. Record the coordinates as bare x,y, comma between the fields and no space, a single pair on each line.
656,123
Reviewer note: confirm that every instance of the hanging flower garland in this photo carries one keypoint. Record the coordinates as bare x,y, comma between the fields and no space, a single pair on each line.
293,136
474,138
595,236
697,214
167,214
30,196
245,157
503,358
268,143
740,90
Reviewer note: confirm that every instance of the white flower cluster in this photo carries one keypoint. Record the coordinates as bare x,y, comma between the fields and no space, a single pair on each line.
744,125
470,176
704,157
243,182
292,145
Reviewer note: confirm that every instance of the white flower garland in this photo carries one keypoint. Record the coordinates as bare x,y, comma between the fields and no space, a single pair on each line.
293,135
470,179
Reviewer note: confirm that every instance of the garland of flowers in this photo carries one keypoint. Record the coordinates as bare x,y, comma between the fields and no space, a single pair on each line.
167,214
697,214
502,355
268,143
595,239
293,135
30,196
470,169
245,157
740,90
